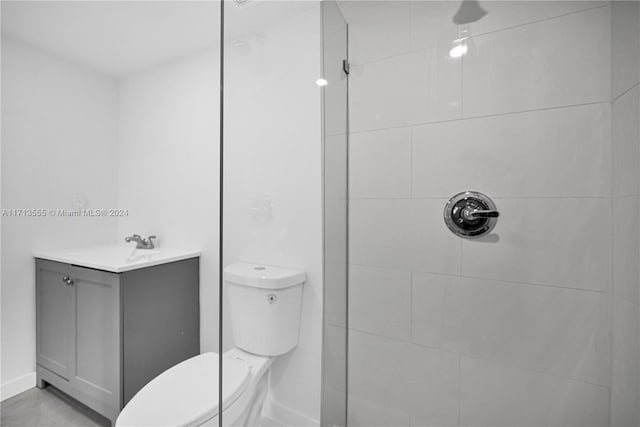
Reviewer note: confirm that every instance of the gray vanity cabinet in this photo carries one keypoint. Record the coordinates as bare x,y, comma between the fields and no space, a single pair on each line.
101,336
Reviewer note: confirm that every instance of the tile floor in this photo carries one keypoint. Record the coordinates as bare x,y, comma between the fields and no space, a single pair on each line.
45,408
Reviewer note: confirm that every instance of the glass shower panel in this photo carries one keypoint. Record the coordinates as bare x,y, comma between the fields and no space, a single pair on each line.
272,212
110,127
335,180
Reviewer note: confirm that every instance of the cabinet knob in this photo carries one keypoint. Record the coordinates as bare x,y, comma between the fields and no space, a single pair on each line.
67,280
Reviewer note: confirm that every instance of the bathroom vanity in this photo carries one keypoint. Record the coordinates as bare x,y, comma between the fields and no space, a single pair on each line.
111,318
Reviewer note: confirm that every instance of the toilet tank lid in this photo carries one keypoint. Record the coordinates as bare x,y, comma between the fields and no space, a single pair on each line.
263,276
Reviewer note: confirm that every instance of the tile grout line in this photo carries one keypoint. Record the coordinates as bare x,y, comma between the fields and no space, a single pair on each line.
612,191
499,363
411,306
411,162
500,281
411,50
482,116
626,91
461,84
445,198
459,389
461,249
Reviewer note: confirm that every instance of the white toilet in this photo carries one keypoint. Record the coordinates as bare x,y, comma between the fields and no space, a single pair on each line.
265,304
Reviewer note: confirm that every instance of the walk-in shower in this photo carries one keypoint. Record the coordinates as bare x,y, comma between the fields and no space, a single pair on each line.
534,321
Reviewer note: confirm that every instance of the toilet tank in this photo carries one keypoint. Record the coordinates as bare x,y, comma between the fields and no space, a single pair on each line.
265,304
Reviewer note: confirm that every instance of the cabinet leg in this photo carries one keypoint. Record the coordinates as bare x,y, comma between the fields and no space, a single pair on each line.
40,383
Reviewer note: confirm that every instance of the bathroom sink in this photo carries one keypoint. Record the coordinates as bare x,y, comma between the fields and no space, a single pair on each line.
116,258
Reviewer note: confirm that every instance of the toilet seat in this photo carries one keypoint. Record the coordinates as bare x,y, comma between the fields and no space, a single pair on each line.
186,394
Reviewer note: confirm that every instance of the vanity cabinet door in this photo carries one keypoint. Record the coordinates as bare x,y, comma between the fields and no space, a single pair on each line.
97,343
55,301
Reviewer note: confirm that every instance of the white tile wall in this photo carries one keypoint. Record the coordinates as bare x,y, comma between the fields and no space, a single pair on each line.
508,14
425,385
560,61
380,165
404,378
362,412
625,375
550,330
543,241
431,23
377,362
625,368
402,234
525,116
626,150
546,153
408,89
380,301
626,45
430,296
494,395
626,251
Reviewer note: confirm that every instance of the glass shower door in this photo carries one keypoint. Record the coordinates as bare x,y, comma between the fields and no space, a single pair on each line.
272,211
336,215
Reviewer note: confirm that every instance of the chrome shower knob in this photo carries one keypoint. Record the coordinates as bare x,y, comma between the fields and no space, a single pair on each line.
470,214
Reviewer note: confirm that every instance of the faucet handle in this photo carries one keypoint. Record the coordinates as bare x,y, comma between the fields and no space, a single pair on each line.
150,243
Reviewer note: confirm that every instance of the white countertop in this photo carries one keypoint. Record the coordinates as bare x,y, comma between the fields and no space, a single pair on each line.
116,258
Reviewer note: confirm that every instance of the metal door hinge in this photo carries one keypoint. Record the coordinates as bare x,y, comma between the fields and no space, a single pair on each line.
345,66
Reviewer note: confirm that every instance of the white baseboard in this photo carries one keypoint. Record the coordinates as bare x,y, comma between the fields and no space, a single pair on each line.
276,415
17,385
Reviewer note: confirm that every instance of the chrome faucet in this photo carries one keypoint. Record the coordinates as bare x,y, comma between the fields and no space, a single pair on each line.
140,242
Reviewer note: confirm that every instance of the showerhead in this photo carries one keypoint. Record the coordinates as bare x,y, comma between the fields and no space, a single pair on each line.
469,11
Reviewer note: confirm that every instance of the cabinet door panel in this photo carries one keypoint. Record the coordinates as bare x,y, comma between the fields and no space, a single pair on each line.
97,370
54,319
161,320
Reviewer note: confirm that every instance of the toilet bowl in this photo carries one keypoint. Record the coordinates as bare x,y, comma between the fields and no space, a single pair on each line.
187,394
265,304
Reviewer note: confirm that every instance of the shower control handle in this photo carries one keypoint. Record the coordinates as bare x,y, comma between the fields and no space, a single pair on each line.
469,213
